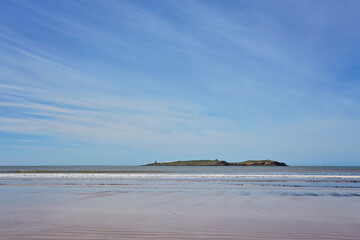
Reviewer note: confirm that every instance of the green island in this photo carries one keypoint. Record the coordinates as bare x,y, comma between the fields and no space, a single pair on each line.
217,162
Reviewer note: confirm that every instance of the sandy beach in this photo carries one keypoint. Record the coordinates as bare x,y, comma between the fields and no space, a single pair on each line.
136,212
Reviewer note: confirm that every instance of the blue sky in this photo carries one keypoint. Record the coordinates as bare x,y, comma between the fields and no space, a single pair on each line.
129,82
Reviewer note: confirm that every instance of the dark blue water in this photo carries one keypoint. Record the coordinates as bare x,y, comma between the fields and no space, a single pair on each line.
338,170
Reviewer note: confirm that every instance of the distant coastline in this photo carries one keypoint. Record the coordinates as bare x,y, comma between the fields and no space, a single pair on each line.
217,162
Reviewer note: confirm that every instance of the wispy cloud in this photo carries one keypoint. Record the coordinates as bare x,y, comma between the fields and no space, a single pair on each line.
182,79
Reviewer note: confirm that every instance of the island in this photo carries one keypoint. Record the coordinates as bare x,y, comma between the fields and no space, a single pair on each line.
217,162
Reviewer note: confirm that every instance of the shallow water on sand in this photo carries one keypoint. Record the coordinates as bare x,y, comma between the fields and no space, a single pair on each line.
115,214
217,203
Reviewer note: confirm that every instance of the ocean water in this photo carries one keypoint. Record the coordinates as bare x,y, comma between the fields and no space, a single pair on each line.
293,181
153,202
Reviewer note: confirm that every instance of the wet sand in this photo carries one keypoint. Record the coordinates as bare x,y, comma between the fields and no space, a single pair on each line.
124,214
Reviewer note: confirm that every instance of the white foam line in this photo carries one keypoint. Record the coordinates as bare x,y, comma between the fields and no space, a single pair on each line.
165,176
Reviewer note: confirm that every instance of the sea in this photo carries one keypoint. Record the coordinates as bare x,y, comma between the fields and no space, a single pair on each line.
179,202
291,180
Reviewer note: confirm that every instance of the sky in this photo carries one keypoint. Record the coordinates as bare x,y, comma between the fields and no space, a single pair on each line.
129,82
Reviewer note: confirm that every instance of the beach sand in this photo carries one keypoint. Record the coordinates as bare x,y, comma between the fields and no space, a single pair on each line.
120,214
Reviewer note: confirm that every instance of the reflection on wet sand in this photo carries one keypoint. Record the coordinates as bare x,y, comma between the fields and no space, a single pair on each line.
111,214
